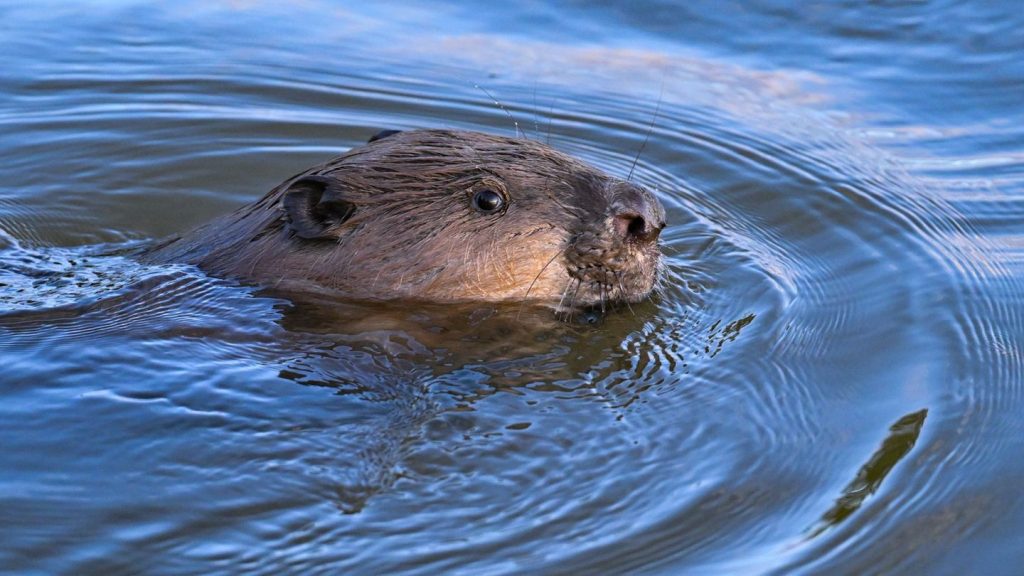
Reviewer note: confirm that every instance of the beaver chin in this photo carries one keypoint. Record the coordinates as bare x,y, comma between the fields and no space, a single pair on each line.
604,287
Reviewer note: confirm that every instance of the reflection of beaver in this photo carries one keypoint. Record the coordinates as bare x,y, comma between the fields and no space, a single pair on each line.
444,216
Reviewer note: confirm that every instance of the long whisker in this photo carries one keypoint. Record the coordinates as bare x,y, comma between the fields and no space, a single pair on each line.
650,129
551,117
536,125
565,292
622,289
572,243
502,106
535,278
572,301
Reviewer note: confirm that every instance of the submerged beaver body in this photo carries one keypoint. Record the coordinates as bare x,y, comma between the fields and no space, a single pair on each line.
442,216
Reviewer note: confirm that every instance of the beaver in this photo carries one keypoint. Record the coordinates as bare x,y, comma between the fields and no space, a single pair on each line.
442,216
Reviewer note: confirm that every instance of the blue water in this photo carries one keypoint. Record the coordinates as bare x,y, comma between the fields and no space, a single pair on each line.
831,382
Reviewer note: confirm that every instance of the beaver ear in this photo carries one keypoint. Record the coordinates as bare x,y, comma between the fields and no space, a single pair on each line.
383,134
315,207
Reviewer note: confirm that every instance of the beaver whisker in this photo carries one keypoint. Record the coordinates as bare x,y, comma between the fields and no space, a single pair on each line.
660,281
650,129
572,301
565,292
570,246
551,117
564,312
535,278
622,290
536,125
502,106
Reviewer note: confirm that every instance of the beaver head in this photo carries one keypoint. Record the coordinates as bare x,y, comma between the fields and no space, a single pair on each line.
445,216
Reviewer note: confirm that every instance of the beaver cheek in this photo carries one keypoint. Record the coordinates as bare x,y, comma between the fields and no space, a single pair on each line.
539,263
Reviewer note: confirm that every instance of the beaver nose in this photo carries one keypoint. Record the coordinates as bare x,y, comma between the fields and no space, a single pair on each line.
638,216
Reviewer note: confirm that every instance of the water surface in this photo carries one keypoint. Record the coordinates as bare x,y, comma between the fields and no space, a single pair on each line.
830,382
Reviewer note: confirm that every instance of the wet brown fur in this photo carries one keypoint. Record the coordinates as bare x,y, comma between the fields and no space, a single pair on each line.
414,233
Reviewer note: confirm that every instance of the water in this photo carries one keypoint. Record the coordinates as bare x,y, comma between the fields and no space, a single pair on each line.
831,382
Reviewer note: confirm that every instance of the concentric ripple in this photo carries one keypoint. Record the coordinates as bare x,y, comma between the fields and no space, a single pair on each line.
828,379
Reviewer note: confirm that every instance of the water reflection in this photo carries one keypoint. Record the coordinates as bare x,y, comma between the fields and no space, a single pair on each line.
816,286
902,437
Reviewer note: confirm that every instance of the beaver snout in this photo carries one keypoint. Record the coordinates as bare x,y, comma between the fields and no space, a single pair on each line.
638,216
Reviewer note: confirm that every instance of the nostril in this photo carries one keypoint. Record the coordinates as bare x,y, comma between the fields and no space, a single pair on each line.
637,216
634,227
637,227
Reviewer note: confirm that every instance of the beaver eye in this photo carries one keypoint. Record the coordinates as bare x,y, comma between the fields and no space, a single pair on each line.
487,201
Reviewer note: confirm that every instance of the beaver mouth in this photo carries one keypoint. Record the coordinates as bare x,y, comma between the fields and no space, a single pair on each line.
606,278
602,288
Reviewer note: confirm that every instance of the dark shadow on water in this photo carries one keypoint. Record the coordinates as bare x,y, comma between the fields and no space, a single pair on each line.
421,365
454,335
902,437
